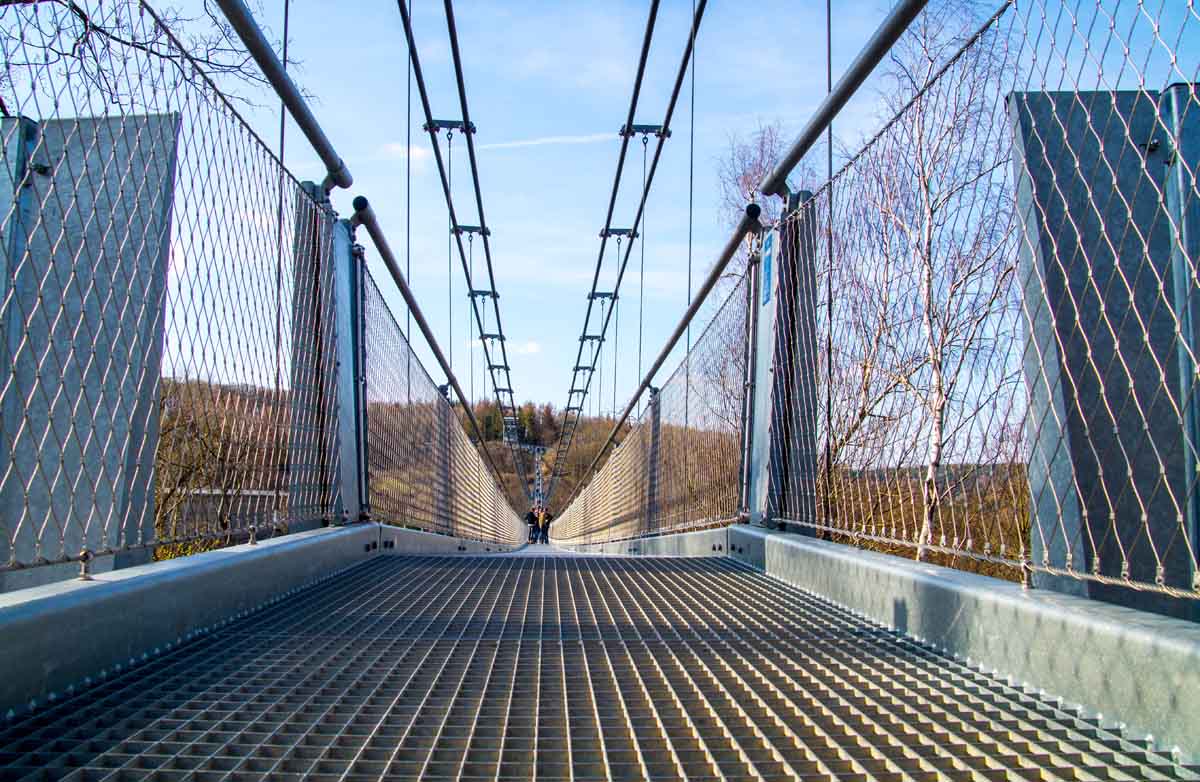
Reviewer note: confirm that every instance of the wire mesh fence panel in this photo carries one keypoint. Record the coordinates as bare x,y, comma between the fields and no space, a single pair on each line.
423,470
165,301
678,466
1002,286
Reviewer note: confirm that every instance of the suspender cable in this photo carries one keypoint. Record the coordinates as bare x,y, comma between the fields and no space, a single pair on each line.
616,333
257,47
825,494
658,149
279,268
450,250
616,342
408,217
600,380
471,323
642,267
687,356
452,31
894,25
571,418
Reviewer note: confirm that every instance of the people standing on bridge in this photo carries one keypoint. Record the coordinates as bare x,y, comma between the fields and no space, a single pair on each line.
531,518
545,526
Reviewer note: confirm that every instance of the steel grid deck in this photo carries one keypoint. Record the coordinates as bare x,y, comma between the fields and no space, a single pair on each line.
532,667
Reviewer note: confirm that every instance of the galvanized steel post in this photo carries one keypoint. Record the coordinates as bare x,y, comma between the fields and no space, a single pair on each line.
344,363
360,376
749,360
781,452
653,458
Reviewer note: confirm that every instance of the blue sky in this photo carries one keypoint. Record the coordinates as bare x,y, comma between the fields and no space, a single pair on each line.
548,87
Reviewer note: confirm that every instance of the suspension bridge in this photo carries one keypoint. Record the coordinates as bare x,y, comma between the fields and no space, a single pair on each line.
909,493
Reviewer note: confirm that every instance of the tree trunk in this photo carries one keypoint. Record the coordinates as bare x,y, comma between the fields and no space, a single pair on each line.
935,400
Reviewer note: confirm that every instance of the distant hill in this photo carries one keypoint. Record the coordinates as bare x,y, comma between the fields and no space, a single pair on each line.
541,425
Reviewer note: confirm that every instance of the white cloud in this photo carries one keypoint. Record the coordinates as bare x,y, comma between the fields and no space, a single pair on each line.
544,141
475,347
396,151
528,348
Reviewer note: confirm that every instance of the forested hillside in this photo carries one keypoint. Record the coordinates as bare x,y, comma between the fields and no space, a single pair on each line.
541,425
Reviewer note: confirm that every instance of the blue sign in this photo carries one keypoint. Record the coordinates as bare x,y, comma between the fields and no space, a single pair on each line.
768,254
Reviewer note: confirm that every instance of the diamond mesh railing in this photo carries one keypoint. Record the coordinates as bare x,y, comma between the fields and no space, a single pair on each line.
1003,287
423,470
165,301
677,467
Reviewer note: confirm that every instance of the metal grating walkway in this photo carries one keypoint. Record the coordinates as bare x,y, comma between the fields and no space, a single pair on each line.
544,667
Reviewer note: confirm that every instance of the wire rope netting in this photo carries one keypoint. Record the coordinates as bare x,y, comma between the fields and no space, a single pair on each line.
677,467
999,369
423,470
165,299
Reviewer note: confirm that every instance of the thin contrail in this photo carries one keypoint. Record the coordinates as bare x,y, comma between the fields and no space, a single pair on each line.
550,140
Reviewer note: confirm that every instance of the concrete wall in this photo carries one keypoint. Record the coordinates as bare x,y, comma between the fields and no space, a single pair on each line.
1139,667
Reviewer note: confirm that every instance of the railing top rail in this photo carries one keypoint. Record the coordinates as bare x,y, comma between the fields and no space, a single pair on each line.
242,21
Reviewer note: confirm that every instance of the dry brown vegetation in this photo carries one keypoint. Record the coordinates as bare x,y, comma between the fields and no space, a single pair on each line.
221,466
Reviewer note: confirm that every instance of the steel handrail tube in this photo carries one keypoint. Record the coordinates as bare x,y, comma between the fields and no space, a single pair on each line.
259,48
894,26
749,224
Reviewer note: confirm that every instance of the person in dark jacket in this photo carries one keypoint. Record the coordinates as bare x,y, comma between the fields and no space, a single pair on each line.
545,525
531,518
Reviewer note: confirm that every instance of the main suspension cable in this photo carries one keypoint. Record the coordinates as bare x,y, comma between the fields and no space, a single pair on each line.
501,389
573,411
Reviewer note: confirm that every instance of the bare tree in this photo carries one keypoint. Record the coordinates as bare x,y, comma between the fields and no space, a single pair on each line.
746,162
868,367
940,186
119,50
